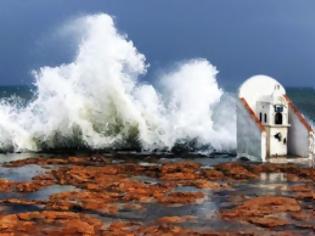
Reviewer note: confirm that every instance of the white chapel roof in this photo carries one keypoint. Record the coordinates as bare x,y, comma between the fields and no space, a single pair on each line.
262,88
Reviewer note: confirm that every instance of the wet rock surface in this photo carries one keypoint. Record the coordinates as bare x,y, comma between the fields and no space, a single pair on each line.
130,194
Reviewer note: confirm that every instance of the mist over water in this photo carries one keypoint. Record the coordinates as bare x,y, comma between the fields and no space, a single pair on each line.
98,101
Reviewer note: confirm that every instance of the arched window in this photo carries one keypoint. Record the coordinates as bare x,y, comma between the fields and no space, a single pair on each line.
265,118
260,117
278,118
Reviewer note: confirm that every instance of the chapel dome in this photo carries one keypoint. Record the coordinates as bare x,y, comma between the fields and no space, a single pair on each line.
260,88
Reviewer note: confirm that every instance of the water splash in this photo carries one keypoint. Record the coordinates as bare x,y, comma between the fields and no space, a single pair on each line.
97,101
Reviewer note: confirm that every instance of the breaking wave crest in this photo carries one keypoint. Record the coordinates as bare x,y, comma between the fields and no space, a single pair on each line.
98,101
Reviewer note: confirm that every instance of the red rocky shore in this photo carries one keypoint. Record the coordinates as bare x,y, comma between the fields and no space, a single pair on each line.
110,197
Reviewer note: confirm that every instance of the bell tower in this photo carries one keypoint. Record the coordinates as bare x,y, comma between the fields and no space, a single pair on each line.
269,125
273,114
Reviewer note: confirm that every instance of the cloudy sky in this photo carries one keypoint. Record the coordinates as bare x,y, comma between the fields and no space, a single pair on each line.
240,37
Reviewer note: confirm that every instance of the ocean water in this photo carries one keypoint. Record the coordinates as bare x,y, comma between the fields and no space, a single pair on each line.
22,91
304,99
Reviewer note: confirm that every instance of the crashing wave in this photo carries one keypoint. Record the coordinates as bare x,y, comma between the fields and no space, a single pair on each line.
98,101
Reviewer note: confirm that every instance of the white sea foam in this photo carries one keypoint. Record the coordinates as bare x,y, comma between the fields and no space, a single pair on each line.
98,101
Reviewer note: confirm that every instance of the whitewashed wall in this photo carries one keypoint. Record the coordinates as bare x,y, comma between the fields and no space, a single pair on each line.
251,142
298,136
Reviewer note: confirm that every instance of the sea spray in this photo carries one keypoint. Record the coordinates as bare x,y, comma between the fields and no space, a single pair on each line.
98,101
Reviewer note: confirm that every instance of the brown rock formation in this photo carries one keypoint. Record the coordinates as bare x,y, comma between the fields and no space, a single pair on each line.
264,211
49,223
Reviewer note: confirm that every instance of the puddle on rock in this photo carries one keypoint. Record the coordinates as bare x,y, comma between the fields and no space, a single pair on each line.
44,193
23,173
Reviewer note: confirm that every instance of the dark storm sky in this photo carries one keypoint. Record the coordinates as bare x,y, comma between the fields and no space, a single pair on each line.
240,37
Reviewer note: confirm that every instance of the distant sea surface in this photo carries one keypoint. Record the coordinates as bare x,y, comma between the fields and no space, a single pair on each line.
304,98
